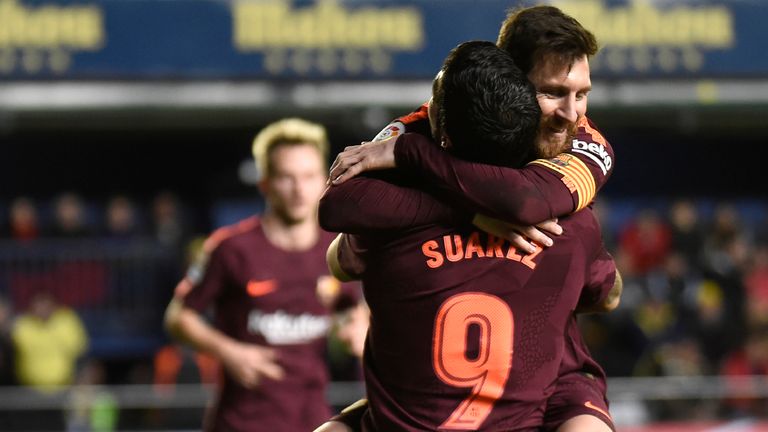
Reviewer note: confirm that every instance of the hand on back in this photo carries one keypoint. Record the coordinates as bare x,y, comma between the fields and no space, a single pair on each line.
521,237
368,156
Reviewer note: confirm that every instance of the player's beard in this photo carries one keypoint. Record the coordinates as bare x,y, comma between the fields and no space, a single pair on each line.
548,145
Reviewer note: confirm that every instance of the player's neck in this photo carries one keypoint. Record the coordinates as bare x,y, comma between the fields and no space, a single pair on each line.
290,237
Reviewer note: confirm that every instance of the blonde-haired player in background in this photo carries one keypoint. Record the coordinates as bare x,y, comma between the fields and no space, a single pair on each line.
266,280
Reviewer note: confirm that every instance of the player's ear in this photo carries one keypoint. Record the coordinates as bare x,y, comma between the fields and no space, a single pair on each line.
445,142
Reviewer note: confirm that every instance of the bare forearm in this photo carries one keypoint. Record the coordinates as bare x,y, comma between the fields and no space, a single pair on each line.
189,327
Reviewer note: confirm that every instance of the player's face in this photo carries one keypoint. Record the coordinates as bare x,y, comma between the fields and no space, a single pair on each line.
296,182
561,90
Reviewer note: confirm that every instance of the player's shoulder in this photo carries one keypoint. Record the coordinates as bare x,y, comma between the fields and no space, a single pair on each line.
420,114
579,224
588,133
231,235
415,121
222,243
588,129
590,142
585,228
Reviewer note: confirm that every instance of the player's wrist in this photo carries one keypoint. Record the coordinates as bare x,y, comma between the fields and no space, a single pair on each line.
225,349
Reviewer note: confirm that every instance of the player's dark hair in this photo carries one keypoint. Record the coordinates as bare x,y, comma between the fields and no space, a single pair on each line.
486,106
531,34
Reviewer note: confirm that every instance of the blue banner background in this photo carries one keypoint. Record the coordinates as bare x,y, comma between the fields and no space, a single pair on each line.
181,39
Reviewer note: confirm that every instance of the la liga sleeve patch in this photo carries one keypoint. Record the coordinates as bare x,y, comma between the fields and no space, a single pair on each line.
392,130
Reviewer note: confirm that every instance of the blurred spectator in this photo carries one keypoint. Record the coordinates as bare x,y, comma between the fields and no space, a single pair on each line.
752,359
761,234
179,364
716,335
646,240
602,210
676,284
724,242
615,340
669,318
7,355
121,218
756,283
23,222
687,236
676,357
726,268
168,223
92,408
49,338
69,217
655,318
634,282
726,223
351,329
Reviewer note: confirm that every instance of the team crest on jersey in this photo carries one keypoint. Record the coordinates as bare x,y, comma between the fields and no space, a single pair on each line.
327,290
392,130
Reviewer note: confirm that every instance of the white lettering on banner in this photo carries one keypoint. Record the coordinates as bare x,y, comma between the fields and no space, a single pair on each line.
596,152
43,36
328,37
644,36
281,328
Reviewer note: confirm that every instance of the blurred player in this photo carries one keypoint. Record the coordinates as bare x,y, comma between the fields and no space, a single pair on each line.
552,49
268,284
492,326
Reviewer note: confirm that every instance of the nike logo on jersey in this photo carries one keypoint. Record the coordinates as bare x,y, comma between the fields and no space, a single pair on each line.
592,406
259,288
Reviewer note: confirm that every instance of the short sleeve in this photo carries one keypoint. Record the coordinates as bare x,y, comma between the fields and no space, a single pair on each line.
600,280
208,279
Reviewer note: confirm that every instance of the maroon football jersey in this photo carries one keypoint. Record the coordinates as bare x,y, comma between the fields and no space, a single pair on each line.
544,189
467,333
365,205
264,295
566,183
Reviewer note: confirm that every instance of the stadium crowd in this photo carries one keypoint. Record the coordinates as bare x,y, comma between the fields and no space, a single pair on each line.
695,300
